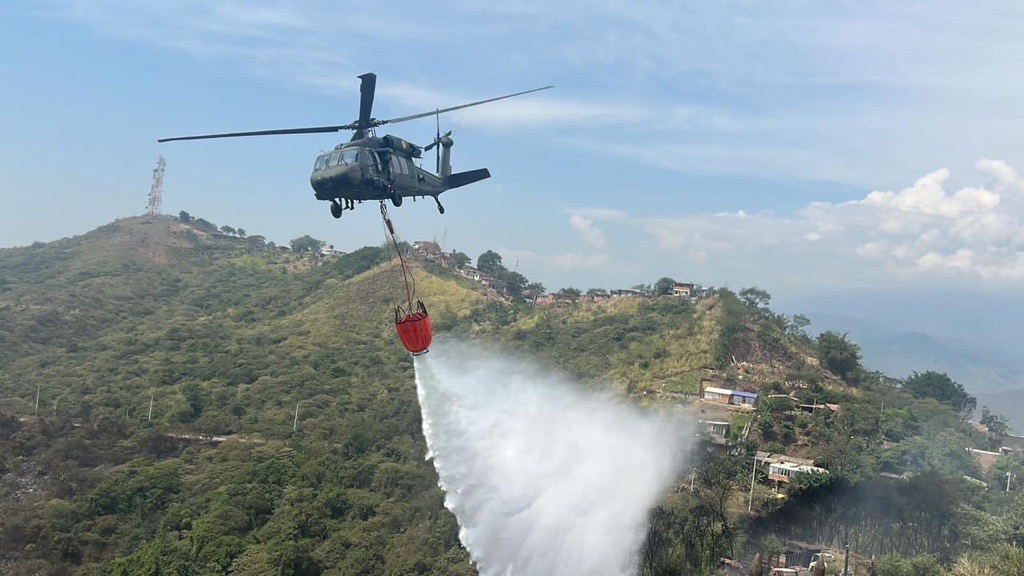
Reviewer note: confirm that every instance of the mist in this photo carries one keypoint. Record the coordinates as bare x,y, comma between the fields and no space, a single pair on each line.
544,478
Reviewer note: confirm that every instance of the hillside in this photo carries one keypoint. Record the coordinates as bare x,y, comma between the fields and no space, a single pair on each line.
212,404
224,337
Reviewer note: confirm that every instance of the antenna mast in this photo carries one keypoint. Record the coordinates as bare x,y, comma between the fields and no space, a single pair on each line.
156,191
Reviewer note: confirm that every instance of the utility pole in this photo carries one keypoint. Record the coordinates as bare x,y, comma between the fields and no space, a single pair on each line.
753,472
295,423
846,562
38,387
1008,475
149,418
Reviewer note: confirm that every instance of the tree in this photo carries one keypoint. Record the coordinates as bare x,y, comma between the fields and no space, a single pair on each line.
490,263
755,298
306,243
994,423
534,288
597,292
939,386
570,293
240,232
516,282
664,286
644,289
838,354
184,217
227,229
798,325
460,259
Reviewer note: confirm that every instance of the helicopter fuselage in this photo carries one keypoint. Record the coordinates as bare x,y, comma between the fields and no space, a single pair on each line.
373,169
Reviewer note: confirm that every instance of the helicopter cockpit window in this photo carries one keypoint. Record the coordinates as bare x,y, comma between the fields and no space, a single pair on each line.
350,157
334,158
321,161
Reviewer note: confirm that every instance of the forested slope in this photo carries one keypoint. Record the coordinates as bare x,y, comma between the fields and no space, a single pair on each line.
209,403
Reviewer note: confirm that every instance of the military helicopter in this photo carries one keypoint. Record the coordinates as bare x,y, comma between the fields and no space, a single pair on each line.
371,168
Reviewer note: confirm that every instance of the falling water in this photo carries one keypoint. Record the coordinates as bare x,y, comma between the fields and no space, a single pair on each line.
544,478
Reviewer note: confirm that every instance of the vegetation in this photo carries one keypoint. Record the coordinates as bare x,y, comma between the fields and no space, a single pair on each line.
209,404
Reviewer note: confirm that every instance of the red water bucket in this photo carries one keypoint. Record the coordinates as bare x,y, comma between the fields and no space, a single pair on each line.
414,329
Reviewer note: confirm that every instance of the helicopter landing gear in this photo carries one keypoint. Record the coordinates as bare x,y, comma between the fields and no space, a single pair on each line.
440,208
336,209
396,198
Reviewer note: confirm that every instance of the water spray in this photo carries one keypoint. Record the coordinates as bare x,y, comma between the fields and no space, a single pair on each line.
544,478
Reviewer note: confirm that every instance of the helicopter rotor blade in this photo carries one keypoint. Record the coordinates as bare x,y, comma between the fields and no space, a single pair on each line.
367,87
312,130
460,107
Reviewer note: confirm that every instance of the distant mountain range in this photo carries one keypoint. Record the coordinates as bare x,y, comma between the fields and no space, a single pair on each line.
995,377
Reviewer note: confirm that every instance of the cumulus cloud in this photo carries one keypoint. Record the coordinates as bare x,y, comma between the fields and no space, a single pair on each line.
974,232
928,196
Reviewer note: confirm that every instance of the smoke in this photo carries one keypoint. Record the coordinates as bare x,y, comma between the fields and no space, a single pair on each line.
544,479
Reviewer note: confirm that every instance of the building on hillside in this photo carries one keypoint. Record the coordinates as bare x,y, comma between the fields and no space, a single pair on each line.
427,248
741,398
494,284
330,251
543,300
716,429
626,293
1012,443
684,289
812,408
782,468
985,458
713,394
471,273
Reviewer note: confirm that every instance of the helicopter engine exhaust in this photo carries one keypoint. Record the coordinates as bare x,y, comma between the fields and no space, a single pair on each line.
401,146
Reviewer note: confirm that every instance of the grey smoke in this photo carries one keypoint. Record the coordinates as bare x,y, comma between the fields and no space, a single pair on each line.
544,478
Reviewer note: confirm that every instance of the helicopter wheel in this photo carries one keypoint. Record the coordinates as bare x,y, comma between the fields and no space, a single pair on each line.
396,198
336,209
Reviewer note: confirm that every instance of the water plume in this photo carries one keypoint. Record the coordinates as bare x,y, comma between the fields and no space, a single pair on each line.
545,479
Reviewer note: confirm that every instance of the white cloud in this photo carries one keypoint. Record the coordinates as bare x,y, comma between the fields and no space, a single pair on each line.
927,196
916,233
591,234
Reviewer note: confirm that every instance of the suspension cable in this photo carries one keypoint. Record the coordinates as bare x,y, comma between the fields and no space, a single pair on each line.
410,282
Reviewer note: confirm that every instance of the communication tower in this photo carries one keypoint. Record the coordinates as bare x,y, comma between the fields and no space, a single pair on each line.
156,191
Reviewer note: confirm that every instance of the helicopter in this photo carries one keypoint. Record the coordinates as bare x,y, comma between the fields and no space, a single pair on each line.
371,168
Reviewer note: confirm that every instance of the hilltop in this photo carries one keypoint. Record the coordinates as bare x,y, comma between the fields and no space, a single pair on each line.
212,402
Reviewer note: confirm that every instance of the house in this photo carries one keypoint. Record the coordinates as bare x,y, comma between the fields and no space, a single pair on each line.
719,395
1012,443
626,293
471,273
782,468
985,458
684,289
427,248
740,398
494,284
543,300
717,430
330,251
812,408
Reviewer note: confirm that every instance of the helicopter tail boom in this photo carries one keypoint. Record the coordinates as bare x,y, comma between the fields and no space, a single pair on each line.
460,179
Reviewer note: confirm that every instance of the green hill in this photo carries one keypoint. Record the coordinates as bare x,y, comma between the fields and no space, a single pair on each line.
212,404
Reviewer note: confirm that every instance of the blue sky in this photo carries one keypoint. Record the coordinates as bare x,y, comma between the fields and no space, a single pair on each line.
804,147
